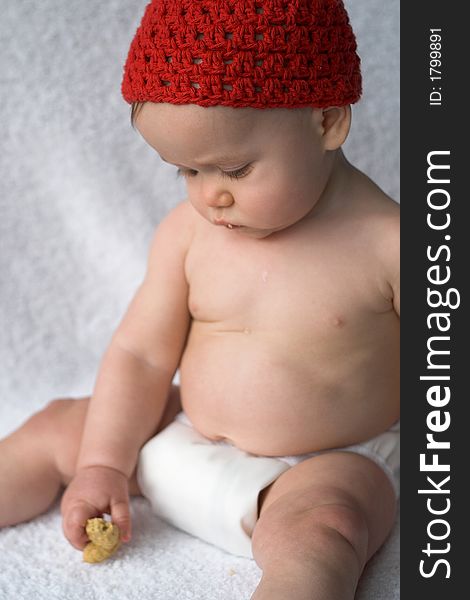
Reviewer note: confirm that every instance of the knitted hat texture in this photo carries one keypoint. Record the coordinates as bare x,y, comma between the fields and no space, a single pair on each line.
253,53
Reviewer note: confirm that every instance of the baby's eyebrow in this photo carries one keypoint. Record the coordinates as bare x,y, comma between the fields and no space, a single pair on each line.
223,158
220,161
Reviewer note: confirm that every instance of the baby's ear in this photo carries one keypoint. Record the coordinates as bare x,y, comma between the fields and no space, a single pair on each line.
336,123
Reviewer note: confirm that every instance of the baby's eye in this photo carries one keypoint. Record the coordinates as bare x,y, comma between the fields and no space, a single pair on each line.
238,173
186,173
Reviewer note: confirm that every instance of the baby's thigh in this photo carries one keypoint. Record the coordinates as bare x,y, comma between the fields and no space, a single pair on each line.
345,490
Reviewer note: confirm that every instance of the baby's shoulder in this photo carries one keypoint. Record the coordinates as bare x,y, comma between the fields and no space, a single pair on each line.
173,234
385,229
177,226
375,215
180,219
374,232
383,241
384,221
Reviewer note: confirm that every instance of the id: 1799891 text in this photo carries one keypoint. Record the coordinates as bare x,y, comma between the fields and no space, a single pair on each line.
435,66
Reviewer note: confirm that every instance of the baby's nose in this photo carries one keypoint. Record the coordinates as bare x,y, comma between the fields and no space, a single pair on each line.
220,200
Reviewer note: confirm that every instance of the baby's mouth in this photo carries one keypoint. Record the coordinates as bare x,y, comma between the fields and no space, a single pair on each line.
226,224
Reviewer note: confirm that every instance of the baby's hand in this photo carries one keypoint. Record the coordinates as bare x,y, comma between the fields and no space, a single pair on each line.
92,492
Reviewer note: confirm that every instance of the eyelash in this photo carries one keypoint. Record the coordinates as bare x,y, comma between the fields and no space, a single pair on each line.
238,174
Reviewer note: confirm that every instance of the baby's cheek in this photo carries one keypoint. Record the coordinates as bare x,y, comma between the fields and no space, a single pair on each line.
197,205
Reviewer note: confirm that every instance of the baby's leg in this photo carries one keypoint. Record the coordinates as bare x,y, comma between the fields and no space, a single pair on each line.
39,458
319,524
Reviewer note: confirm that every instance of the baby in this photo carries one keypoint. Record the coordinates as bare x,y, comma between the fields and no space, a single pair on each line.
274,289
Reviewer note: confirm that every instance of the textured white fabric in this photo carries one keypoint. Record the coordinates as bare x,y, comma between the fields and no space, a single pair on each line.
80,195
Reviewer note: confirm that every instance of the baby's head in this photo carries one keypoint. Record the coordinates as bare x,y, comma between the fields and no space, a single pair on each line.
249,98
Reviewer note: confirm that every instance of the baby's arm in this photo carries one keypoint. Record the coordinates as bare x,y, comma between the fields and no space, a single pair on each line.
388,241
133,384
392,262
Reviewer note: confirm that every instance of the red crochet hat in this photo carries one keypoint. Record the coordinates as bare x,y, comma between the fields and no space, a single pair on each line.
258,53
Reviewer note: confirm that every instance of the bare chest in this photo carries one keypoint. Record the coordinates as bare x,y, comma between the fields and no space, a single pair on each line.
305,289
275,321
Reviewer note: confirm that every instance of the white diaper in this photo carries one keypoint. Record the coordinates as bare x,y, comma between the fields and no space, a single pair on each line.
210,489
384,450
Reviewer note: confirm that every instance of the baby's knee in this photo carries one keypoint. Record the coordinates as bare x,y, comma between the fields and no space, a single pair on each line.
60,424
60,414
297,531
58,407
45,420
342,527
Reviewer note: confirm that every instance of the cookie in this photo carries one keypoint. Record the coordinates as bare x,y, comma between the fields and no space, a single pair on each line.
104,539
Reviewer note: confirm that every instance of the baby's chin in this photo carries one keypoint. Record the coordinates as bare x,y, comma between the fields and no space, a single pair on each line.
250,232
260,233
257,234
254,231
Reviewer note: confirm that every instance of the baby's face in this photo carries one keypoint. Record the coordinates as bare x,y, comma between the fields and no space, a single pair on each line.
253,171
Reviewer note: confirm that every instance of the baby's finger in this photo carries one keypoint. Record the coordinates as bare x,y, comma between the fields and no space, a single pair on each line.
120,516
73,524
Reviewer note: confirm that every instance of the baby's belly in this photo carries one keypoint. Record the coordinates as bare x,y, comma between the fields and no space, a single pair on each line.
266,395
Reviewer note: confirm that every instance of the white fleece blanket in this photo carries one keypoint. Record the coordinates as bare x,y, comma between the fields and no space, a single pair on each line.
80,195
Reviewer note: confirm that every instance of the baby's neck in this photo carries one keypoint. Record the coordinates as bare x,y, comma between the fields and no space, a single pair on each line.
339,181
